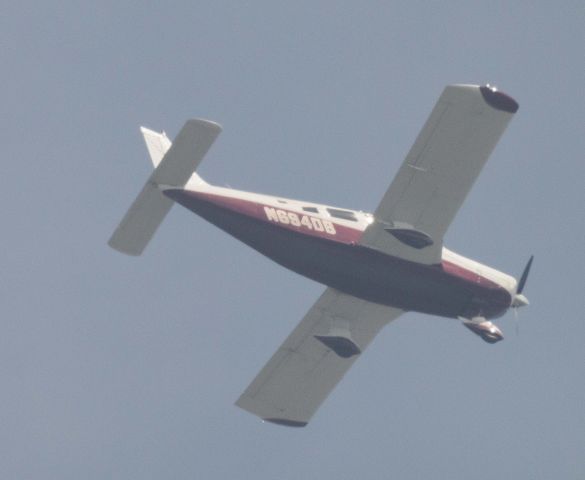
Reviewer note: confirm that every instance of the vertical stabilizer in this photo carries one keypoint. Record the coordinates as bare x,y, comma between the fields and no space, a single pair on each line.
157,144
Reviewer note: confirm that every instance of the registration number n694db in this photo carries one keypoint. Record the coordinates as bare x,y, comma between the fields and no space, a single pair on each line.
298,220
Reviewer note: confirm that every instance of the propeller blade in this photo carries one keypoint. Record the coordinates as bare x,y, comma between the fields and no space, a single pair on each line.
524,276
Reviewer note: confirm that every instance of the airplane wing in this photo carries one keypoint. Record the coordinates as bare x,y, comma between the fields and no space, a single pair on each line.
438,172
314,358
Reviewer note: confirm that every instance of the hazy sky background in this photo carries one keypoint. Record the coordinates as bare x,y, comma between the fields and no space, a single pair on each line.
127,368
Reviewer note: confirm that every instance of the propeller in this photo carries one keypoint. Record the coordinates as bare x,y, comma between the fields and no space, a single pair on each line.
519,299
516,322
524,276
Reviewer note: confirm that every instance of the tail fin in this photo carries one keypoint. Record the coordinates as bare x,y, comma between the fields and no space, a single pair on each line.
174,168
157,144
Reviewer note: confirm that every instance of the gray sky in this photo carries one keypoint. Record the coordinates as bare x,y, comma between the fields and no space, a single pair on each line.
127,368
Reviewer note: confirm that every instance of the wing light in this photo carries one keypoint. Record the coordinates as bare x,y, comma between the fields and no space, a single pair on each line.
498,100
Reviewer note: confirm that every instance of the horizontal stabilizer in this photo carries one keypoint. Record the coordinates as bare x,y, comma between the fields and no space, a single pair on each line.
150,207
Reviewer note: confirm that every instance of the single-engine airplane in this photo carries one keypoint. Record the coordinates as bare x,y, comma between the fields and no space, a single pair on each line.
374,266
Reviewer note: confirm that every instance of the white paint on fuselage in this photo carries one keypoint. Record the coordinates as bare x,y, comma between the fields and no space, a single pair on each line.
500,278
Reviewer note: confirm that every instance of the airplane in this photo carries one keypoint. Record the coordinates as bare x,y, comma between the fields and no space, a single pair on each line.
375,266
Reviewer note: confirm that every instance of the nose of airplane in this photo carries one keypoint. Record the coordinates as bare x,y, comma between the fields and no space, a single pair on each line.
519,301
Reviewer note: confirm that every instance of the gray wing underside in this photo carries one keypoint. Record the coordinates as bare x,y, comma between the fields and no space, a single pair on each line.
440,169
304,370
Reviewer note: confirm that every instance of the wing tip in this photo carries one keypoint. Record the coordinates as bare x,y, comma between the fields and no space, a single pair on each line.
285,422
204,123
266,415
122,247
498,100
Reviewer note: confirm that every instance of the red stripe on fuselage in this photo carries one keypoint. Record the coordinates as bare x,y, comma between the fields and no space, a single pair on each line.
467,275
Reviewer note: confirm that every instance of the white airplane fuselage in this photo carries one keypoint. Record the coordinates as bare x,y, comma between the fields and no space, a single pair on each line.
323,243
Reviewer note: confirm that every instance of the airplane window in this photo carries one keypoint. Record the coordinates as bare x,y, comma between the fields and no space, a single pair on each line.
344,214
310,209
